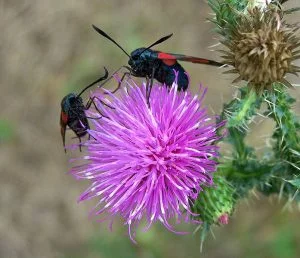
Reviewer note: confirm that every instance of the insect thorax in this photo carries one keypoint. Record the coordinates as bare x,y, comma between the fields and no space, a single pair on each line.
142,61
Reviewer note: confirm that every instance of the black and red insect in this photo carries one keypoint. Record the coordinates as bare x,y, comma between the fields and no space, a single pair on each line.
73,112
148,63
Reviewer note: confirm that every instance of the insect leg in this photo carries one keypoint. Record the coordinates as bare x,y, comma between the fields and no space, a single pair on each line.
79,144
102,102
63,134
89,117
120,82
91,101
149,86
124,66
147,89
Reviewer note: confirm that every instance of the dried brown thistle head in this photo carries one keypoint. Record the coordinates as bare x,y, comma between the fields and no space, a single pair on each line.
261,48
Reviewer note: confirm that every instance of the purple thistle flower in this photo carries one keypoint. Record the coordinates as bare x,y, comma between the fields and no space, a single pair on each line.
149,162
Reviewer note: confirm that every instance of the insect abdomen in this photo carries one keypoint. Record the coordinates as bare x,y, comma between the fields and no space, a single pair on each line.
167,74
79,126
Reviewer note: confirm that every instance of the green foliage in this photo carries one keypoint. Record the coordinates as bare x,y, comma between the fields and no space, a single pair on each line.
244,171
286,148
287,131
276,172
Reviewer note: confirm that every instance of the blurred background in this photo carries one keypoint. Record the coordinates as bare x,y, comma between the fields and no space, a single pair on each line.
47,50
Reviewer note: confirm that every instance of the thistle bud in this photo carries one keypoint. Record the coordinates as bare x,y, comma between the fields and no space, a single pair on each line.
215,204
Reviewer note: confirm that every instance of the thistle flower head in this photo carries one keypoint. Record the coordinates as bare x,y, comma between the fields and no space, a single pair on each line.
262,47
149,162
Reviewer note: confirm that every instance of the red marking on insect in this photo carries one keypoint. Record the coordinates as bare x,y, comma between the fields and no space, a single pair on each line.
200,60
167,58
64,117
169,62
170,59
162,55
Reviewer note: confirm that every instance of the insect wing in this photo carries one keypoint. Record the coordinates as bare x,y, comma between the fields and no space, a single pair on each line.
167,59
170,57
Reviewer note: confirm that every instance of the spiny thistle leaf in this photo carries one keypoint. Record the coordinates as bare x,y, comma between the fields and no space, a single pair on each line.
287,144
248,175
287,132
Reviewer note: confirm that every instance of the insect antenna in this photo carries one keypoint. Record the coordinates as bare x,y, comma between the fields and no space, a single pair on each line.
101,32
98,80
161,40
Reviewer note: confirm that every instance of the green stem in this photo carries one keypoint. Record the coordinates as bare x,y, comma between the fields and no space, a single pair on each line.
242,115
238,113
